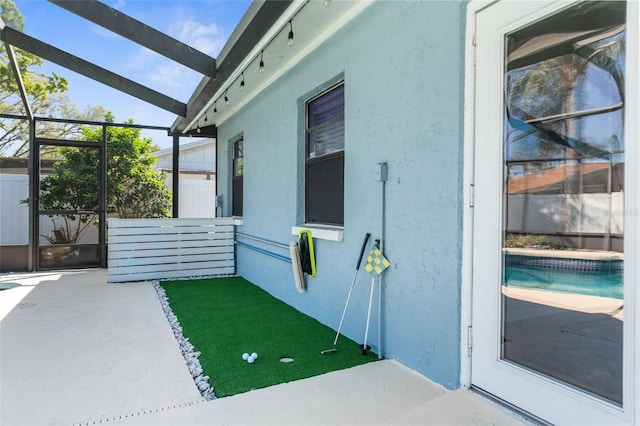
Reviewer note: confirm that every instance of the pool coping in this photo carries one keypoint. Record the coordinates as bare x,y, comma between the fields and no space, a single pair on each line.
566,254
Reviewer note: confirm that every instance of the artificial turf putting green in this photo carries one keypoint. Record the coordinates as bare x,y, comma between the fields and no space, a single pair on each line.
226,317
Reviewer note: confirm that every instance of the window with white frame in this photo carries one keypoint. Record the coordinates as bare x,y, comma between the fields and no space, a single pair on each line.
324,165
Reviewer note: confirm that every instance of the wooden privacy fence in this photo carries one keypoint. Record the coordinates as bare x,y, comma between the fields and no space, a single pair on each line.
144,249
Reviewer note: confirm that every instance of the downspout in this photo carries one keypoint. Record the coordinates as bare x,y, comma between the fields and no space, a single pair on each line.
383,179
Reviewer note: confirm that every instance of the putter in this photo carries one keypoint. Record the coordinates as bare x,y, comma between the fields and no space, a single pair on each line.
364,346
344,311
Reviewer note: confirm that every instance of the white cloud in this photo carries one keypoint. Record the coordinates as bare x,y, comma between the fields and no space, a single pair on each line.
141,58
166,76
170,75
153,70
161,74
119,4
175,77
104,33
206,38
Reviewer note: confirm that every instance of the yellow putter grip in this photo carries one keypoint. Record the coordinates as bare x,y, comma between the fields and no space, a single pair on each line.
312,256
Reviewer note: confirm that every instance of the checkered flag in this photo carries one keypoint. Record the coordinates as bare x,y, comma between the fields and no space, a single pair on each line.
376,262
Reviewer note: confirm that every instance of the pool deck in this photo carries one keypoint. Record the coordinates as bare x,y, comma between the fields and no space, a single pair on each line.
75,350
566,254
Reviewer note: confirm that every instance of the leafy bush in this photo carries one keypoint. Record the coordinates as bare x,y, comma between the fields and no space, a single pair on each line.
531,241
134,188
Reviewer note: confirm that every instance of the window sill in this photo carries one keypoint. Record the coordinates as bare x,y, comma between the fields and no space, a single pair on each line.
321,232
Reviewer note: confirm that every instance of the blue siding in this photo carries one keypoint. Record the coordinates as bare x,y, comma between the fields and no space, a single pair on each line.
403,69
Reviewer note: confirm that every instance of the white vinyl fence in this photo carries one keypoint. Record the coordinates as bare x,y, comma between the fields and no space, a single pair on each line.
548,213
14,216
144,249
197,200
197,197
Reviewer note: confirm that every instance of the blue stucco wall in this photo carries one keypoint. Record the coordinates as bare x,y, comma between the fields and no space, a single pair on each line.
403,66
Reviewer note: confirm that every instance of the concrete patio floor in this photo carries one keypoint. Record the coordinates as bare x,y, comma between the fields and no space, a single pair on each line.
75,350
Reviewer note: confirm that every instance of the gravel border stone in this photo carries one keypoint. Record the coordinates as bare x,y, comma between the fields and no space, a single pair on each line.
188,350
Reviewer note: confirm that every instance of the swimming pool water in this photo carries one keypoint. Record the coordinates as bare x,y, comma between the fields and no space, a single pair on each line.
603,284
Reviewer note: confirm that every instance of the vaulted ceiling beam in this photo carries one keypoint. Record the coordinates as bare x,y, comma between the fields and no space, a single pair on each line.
140,33
94,72
16,72
248,33
19,82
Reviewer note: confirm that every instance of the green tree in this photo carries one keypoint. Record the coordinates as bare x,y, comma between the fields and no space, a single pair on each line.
44,92
73,185
134,188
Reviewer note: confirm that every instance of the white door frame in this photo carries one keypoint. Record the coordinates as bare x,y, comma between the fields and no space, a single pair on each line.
632,203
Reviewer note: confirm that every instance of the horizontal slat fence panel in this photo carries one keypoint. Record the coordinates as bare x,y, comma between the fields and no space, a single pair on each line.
194,244
134,255
145,249
184,230
191,266
163,236
161,260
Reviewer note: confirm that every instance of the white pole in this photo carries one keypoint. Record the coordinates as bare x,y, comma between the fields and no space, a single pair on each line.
366,331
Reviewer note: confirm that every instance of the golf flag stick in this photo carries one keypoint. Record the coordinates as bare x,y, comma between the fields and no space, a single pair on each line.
365,348
376,264
353,281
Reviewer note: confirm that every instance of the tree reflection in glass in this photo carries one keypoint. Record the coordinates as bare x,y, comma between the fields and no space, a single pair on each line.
564,196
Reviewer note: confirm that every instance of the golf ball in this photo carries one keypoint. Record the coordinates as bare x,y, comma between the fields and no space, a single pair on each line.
245,356
254,355
250,360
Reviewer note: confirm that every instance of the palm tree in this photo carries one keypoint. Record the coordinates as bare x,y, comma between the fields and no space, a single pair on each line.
547,107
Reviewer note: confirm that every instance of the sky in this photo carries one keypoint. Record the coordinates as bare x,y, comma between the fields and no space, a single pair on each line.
202,24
